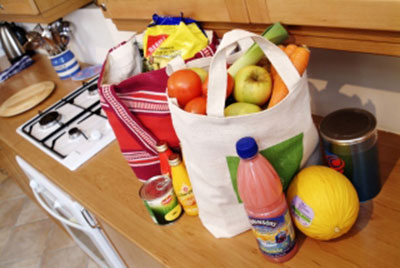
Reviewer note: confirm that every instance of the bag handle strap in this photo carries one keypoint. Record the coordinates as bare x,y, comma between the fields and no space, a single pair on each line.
217,81
130,122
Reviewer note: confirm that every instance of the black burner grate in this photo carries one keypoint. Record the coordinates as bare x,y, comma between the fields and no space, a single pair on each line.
49,119
92,90
52,117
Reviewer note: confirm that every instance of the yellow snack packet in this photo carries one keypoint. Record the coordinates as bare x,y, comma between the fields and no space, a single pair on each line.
168,37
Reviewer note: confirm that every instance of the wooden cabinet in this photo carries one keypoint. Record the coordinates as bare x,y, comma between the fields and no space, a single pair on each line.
136,14
354,14
354,25
205,10
37,11
132,254
22,7
9,168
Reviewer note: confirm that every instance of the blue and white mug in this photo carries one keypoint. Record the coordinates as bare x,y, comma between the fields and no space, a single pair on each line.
65,64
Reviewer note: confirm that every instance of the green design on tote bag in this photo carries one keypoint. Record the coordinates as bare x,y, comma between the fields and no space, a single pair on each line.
233,163
285,157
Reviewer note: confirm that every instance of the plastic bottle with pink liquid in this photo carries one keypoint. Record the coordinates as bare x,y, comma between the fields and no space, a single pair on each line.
261,192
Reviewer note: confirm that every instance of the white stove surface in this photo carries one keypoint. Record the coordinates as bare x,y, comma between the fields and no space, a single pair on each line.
98,106
81,131
67,112
92,130
85,99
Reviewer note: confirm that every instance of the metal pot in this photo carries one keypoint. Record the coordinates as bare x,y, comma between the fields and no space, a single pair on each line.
10,43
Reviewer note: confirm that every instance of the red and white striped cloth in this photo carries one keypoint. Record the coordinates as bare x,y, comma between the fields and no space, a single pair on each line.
137,109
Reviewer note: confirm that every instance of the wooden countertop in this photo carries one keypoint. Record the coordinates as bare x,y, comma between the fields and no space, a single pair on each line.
106,186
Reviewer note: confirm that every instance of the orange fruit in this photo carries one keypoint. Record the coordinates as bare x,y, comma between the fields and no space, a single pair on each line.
229,86
184,85
197,105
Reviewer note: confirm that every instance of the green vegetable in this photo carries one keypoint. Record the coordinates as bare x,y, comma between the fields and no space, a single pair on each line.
275,33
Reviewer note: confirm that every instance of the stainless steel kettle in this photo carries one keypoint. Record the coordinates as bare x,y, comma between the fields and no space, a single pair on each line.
10,43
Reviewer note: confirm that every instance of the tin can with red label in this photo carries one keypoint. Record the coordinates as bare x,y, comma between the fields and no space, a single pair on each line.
160,200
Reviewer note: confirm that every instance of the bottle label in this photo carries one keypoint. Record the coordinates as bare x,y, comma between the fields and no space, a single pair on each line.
186,196
275,236
335,162
301,211
164,210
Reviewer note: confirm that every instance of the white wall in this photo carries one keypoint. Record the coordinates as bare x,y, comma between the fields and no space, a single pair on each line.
337,79
341,79
94,35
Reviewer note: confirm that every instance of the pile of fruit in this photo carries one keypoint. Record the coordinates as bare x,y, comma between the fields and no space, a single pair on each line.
190,87
250,89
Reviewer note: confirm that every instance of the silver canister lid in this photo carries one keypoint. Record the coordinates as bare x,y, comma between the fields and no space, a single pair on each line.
348,126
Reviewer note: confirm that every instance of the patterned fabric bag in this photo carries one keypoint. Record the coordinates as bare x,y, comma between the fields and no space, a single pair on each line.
137,107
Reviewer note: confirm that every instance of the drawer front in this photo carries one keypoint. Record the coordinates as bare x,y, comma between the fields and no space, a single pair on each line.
357,14
205,10
45,5
18,7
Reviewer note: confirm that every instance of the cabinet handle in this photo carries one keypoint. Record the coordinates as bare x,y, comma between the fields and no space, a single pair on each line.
89,219
103,5
36,192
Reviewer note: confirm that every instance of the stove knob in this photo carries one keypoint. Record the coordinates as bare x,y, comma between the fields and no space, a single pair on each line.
95,135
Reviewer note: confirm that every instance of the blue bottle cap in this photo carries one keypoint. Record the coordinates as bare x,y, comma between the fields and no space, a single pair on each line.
246,147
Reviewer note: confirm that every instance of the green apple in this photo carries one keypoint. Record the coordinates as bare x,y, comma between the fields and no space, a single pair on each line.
201,72
252,85
240,108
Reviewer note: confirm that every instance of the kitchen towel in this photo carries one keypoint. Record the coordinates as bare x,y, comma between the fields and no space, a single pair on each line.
20,65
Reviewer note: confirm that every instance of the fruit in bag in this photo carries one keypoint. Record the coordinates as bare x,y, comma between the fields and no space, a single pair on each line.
184,85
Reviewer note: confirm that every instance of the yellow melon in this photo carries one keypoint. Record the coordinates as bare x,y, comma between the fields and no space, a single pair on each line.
323,202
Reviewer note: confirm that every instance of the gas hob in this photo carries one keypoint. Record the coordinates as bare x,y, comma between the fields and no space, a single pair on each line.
73,129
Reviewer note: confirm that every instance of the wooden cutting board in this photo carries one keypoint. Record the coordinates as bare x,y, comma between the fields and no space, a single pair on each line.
26,98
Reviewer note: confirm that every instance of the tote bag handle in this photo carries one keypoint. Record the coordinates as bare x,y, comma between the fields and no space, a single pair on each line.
218,80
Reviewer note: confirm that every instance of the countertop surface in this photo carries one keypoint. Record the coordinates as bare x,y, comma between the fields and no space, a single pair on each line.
107,186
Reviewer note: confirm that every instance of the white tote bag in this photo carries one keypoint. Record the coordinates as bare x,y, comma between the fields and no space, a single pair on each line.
286,136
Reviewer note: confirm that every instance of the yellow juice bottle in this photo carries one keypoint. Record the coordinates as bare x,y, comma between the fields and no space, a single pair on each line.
182,186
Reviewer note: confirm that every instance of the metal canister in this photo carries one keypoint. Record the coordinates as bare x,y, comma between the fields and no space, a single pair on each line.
160,200
349,139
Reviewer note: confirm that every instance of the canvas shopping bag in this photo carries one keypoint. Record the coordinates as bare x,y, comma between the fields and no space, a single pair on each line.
286,135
